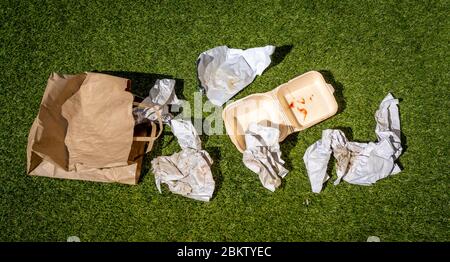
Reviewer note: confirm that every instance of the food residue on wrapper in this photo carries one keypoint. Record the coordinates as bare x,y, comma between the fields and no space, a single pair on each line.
301,109
232,84
304,111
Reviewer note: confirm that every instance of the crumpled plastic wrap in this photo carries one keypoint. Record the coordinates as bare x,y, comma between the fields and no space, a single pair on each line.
161,94
187,172
358,163
223,72
263,155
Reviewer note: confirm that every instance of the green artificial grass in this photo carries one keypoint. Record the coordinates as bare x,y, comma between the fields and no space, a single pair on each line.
365,49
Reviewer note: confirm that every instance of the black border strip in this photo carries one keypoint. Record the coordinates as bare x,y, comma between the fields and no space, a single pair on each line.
219,249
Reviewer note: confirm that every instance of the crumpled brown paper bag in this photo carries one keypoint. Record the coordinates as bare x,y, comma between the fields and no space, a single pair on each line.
84,130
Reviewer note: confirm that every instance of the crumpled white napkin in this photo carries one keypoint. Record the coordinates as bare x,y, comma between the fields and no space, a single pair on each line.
223,72
358,163
187,172
263,155
186,134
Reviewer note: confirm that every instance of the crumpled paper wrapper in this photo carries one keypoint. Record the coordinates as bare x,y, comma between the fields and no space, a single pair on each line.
223,72
188,172
358,163
162,94
186,134
263,155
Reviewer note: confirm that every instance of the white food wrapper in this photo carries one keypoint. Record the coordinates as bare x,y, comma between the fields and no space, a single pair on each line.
263,155
187,172
161,94
186,134
223,72
358,163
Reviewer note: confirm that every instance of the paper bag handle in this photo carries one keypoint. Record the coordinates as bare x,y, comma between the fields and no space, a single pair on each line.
153,136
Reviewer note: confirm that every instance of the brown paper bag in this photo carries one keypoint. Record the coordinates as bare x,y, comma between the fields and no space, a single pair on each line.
100,130
84,130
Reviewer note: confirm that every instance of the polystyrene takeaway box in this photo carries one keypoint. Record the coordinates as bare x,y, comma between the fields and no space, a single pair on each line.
294,106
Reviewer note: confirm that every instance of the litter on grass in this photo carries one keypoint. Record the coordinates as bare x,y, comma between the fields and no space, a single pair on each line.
291,107
186,134
358,163
161,96
263,155
224,71
257,123
84,130
188,172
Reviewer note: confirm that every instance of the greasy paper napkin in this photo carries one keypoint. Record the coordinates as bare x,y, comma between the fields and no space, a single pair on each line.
187,172
358,163
263,155
223,71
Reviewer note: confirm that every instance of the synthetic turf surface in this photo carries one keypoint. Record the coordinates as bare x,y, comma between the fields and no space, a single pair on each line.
365,50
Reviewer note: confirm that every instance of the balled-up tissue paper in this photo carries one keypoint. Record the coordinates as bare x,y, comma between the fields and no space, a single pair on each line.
162,94
263,155
187,172
358,163
223,71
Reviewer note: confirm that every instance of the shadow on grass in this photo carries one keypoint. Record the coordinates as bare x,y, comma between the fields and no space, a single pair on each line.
141,83
403,139
280,54
286,147
155,152
338,90
404,143
216,155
